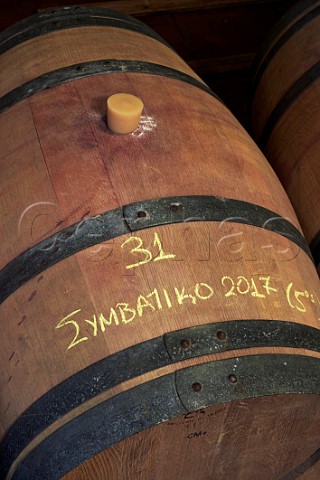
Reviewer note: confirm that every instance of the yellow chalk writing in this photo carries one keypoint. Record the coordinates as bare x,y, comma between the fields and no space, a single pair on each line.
161,255
182,295
167,298
243,286
204,287
145,304
144,253
138,250
266,285
224,281
295,298
113,318
156,295
124,309
255,292
65,322
148,304
142,303
94,324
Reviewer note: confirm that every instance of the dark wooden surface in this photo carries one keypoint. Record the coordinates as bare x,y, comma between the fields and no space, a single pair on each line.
292,144
219,43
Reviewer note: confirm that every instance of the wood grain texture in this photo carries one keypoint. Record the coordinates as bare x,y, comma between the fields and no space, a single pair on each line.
294,14
102,162
292,144
298,54
311,474
293,151
61,165
296,419
68,47
215,443
102,282
228,72
308,469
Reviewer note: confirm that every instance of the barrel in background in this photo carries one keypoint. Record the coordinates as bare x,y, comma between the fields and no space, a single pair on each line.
285,111
141,271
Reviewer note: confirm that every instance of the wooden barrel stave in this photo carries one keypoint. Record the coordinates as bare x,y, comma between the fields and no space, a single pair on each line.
297,13
168,155
81,48
93,267
300,175
296,56
287,423
46,371
151,451
285,111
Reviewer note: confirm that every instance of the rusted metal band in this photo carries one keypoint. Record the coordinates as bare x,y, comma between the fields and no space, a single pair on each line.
167,397
148,356
135,217
71,17
89,69
263,59
292,95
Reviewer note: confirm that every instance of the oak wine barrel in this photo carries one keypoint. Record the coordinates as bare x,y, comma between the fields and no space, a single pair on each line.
285,111
159,304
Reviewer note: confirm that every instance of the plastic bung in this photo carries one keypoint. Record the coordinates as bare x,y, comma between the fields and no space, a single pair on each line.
123,112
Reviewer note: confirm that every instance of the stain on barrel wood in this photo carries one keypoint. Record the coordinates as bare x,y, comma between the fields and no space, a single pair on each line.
135,280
